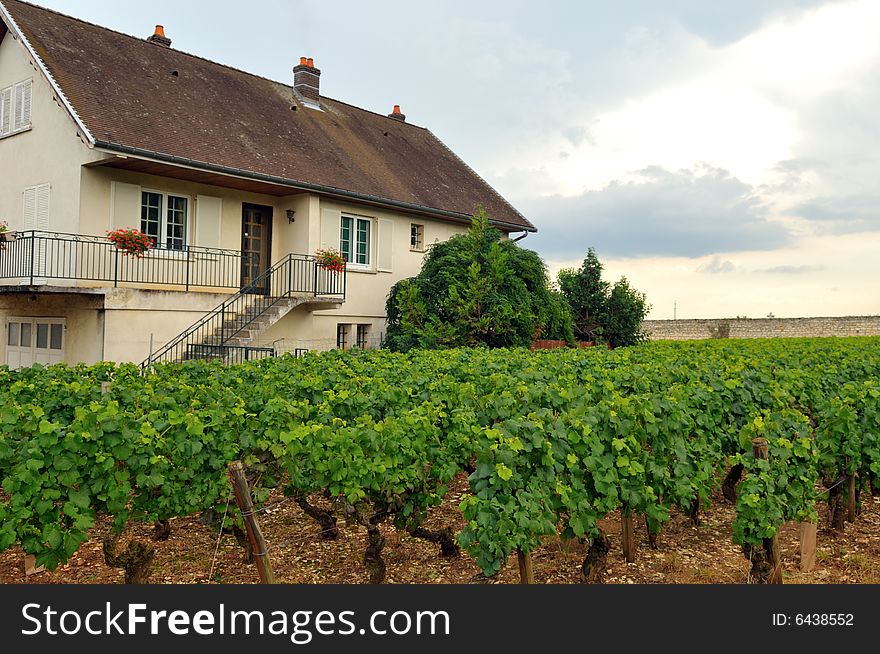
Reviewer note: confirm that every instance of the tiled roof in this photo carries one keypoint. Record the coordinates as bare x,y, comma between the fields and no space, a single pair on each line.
133,94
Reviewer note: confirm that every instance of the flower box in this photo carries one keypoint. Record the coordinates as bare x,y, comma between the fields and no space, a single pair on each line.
132,242
331,260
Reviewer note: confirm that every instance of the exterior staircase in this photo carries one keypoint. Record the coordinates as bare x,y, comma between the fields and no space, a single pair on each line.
241,329
233,340
228,332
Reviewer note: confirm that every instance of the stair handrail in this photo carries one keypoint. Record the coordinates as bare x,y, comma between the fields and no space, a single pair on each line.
250,290
219,310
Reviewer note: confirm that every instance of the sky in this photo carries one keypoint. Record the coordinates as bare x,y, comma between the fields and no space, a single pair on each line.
724,156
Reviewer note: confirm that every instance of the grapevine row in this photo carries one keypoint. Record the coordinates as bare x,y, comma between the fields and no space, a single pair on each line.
552,441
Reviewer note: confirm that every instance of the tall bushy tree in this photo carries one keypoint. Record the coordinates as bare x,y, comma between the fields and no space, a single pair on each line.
587,296
627,308
476,289
600,311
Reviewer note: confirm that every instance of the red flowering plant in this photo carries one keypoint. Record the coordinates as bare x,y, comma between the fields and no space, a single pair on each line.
131,241
330,259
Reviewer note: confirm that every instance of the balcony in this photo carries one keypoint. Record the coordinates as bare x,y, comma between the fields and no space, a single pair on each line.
35,258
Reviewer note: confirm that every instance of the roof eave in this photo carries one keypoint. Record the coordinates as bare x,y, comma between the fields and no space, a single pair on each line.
480,177
13,27
337,193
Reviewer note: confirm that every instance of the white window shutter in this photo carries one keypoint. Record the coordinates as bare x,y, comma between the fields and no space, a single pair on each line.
42,224
125,205
27,102
330,223
6,111
209,215
29,203
36,217
385,245
42,208
23,104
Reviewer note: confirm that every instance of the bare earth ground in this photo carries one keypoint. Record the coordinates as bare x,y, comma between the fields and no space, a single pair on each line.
687,554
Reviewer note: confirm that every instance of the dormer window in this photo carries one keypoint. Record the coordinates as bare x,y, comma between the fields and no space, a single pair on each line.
15,108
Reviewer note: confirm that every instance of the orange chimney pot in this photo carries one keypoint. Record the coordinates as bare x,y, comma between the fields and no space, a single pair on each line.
397,108
303,61
160,31
311,62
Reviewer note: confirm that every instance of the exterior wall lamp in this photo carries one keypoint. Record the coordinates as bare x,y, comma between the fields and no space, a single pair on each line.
290,218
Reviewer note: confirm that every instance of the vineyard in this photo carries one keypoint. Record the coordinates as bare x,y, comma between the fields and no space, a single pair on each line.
551,444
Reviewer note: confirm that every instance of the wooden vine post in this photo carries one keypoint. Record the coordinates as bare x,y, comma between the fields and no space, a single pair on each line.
526,573
808,546
851,498
627,534
254,534
773,560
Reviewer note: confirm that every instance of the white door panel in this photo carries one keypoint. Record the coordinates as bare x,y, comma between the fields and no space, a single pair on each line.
34,340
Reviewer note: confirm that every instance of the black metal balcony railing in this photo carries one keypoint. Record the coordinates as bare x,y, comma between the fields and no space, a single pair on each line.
35,256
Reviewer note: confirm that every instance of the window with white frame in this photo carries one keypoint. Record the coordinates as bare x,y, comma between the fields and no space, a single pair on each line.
15,107
416,237
355,242
164,218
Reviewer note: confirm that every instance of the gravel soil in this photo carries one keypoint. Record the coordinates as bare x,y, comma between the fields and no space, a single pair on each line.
687,554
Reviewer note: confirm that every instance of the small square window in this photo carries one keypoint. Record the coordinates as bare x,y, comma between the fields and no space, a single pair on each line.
362,332
416,237
342,336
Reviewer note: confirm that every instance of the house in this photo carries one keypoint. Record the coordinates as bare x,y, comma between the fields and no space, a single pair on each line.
238,180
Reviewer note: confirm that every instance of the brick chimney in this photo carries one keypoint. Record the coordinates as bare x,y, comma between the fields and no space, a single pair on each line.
159,37
307,81
397,115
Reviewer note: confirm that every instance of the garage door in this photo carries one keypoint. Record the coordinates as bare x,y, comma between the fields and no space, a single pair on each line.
34,340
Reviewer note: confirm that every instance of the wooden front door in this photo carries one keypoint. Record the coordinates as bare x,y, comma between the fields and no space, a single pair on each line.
256,246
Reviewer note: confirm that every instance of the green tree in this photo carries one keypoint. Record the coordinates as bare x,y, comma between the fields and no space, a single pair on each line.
600,311
627,308
476,289
587,295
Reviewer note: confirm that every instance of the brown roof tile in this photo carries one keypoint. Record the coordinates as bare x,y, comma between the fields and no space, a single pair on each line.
124,91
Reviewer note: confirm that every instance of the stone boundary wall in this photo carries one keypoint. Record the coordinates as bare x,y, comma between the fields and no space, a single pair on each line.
677,330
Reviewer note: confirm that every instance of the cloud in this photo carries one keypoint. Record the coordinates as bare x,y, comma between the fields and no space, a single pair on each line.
722,23
842,214
687,213
792,270
578,134
716,266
